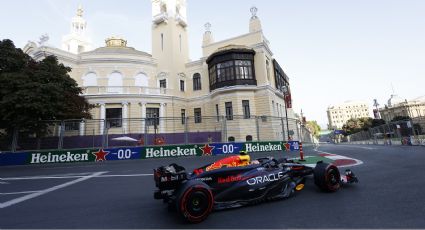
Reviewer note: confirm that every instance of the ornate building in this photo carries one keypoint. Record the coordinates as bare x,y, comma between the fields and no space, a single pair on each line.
235,77
397,107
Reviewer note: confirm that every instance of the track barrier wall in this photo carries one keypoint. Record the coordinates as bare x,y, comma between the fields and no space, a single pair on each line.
143,152
406,132
135,132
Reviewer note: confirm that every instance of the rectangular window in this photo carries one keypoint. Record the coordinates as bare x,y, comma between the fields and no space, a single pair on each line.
245,107
72,125
217,112
163,83
197,81
183,113
182,85
198,115
114,117
162,42
229,110
152,115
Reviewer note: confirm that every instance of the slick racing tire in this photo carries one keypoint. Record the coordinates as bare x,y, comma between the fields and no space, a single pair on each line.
195,201
327,177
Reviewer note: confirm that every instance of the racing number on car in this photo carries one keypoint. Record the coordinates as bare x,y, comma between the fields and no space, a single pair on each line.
228,148
124,154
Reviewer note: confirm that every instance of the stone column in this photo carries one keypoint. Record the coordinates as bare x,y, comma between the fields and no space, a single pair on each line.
142,129
161,117
102,118
125,116
82,128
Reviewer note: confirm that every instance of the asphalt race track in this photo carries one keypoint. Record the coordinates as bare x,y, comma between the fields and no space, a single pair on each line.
119,194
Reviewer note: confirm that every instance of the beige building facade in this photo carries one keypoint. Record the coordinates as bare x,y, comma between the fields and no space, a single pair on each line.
339,114
236,78
397,107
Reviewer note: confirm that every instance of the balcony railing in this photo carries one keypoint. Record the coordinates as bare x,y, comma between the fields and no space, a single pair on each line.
161,17
99,90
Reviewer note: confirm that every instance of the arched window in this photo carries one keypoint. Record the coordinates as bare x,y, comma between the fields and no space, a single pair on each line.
197,82
90,79
141,80
248,138
115,83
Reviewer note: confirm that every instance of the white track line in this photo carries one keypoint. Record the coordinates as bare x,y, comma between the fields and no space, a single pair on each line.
361,147
70,177
42,192
14,193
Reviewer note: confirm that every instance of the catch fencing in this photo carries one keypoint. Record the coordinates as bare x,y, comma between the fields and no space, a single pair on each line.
405,132
92,133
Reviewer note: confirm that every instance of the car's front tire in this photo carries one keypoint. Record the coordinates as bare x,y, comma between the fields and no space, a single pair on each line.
327,177
195,201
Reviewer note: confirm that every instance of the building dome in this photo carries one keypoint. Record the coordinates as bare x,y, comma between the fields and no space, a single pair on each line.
116,42
394,100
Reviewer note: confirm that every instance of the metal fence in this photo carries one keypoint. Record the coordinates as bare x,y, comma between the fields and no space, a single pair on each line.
406,132
73,134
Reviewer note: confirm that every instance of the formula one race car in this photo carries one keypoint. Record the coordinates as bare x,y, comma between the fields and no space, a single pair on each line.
236,181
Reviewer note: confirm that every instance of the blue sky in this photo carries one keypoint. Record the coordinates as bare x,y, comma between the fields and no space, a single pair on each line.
332,50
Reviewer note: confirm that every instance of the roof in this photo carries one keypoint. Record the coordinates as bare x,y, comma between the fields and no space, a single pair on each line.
421,98
118,50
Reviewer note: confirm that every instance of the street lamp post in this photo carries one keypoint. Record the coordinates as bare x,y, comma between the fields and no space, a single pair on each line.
284,90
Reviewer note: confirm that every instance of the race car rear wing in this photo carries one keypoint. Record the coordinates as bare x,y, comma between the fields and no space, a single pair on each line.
169,177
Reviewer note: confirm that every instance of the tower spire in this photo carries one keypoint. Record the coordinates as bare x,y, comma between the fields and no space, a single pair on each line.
254,22
208,38
80,11
76,41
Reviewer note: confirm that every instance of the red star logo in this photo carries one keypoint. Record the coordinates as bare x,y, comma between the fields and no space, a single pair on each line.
287,146
207,150
100,155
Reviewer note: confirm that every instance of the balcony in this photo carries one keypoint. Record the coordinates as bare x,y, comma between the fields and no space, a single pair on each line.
159,18
181,20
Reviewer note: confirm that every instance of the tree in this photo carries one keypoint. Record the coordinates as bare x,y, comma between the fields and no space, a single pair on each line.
355,125
314,128
401,118
32,91
377,122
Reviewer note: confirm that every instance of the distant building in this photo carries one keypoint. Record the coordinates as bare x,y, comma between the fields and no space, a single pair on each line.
339,114
235,78
397,107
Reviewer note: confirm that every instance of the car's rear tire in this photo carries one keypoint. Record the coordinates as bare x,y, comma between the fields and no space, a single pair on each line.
327,177
195,201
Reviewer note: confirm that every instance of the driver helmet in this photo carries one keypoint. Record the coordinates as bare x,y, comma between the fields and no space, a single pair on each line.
243,152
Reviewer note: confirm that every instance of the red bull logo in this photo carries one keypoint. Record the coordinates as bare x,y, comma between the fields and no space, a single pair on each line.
228,179
233,161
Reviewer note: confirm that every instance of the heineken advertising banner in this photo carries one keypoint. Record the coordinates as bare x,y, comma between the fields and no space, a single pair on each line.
172,151
252,147
84,155
148,152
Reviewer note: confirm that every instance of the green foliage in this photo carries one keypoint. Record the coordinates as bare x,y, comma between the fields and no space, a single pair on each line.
355,125
314,128
377,122
401,118
32,91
